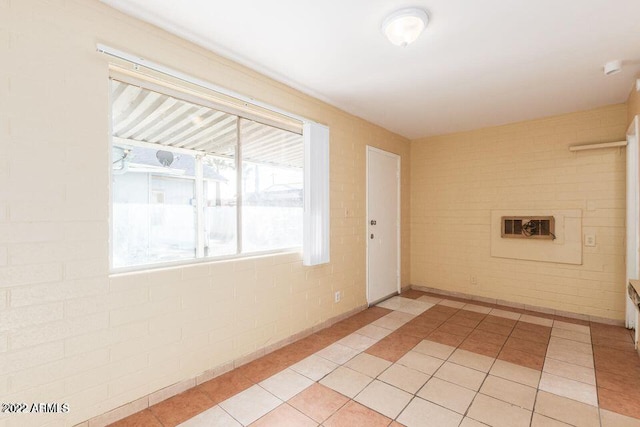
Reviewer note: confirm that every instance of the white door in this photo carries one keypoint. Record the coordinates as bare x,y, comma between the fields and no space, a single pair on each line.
383,224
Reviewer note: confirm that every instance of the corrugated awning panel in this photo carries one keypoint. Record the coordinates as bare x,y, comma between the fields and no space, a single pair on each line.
140,114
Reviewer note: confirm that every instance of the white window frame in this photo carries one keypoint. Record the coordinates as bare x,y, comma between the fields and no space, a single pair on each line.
199,220
319,238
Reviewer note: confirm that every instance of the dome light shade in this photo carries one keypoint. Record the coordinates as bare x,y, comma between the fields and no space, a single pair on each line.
404,26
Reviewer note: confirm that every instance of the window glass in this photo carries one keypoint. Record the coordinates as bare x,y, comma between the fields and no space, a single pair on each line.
272,189
220,195
176,182
153,206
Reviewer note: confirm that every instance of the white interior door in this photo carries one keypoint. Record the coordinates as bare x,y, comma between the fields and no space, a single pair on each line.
383,224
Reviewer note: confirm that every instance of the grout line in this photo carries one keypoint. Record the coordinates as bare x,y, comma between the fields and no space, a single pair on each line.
154,416
535,402
225,411
595,376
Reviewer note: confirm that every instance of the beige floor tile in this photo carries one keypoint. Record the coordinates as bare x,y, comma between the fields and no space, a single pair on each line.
536,320
570,351
569,370
567,410
461,375
405,305
509,391
477,308
470,422
314,367
400,316
357,341
392,303
367,364
337,353
572,327
420,413
504,313
447,394
497,413
612,419
469,359
286,384
571,335
346,381
421,362
285,416
570,346
584,360
451,303
517,373
542,421
251,404
404,378
435,349
215,416
373,331
414,307
575,390
390,324
384,398
430,300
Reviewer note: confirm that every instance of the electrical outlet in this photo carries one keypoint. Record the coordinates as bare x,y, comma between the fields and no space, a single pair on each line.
474,281
337,296
589,240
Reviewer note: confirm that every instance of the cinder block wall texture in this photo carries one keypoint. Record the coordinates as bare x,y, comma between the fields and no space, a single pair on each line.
456,180
70,332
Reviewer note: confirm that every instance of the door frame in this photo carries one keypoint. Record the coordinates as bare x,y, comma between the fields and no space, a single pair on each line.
632,223
370,149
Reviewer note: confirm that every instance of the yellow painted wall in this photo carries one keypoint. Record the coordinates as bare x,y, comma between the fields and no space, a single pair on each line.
457,179
69,332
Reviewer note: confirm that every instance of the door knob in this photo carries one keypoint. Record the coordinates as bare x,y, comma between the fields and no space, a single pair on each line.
372,235
373,222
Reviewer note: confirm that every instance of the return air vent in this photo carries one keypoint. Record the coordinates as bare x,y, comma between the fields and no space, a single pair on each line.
534,227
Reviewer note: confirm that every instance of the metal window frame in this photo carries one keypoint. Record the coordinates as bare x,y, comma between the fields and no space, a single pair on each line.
199,196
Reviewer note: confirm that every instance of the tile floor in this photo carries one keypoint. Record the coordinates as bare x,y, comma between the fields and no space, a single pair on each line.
423,360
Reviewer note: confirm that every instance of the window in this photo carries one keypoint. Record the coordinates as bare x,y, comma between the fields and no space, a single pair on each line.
190,181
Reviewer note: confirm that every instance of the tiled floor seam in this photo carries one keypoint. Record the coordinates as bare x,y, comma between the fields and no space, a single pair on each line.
593,352
466,414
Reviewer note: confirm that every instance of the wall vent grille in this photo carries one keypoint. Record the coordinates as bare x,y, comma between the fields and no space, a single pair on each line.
532,227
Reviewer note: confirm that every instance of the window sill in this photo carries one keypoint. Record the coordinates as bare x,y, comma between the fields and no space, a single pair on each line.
115,272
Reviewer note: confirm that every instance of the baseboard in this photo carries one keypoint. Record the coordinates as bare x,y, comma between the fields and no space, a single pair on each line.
512,304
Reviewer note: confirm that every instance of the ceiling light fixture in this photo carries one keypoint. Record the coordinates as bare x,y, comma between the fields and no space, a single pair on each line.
612,67
404,26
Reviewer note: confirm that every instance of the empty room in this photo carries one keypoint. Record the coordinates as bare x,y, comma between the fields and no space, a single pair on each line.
319,213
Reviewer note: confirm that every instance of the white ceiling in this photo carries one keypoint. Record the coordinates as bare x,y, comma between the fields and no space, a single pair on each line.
478,64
